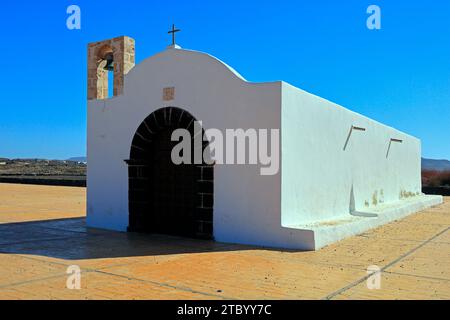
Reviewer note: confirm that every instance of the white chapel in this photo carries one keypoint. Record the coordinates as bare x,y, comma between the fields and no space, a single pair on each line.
338,173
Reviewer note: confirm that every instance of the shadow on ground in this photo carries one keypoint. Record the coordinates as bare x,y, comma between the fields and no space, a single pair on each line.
71,239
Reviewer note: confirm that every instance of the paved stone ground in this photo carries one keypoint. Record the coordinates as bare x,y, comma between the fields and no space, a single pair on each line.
42,232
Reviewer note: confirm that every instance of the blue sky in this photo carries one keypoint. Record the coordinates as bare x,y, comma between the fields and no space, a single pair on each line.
399,75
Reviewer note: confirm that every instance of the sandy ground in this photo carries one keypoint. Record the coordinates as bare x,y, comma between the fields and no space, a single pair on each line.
42,233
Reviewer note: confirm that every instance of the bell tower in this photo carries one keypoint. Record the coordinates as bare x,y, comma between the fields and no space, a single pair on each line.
115,55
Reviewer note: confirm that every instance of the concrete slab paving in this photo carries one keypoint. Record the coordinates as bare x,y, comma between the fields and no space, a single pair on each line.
43,231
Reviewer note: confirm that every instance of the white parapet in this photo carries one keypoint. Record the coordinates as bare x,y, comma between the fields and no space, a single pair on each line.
327,232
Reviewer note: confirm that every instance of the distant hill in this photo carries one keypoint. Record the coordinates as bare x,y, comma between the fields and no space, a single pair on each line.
78,159
438,165
427,164
41,167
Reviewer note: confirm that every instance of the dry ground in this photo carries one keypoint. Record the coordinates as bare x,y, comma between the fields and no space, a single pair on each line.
42,232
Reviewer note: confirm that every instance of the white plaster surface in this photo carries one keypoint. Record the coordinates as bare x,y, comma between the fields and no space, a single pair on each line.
317,175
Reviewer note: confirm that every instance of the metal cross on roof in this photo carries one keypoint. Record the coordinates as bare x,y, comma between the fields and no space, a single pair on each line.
173,31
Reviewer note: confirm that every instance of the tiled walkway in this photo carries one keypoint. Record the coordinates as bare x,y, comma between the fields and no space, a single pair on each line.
42,232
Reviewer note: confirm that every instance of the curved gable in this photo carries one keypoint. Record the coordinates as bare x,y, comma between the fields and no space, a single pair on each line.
188,62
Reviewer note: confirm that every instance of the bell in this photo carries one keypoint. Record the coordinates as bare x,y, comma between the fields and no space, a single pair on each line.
109,62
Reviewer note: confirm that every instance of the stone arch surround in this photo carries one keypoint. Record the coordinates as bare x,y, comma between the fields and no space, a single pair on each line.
140,168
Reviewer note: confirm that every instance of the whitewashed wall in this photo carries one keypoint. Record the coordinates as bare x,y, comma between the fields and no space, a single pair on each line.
319,175
316,176
246,204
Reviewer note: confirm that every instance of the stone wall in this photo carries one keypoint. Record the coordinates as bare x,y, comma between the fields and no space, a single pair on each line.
123,51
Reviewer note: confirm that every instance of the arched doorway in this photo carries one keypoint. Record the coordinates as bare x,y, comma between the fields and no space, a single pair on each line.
163,197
